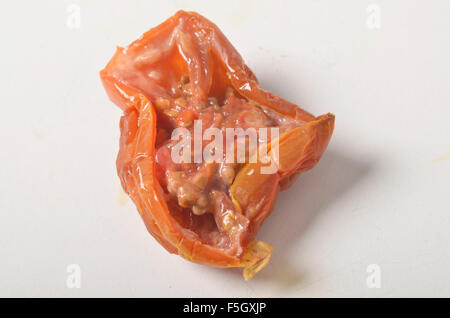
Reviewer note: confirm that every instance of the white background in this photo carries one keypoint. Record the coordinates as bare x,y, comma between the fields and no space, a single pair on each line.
380,195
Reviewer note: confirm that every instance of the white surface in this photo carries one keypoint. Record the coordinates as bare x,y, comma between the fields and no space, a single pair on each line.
379,195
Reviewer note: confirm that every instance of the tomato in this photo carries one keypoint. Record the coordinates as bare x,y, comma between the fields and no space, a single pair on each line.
182,72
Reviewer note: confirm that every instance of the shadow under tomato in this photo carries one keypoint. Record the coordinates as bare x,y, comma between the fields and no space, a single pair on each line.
297,207
314,192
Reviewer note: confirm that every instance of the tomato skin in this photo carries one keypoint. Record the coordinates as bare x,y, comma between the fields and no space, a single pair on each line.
149,69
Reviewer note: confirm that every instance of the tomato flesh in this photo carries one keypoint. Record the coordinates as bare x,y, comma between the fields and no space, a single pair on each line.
198,189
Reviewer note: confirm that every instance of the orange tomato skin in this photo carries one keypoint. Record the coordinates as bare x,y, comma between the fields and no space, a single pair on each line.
188,43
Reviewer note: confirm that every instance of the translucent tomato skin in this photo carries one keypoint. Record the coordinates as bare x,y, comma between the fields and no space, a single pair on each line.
149,69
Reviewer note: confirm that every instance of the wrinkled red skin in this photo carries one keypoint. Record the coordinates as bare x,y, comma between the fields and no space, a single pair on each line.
150,67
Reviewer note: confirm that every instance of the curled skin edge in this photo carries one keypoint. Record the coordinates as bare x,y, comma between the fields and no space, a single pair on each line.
256,257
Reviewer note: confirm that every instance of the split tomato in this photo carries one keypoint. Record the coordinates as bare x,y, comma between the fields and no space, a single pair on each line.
182,72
